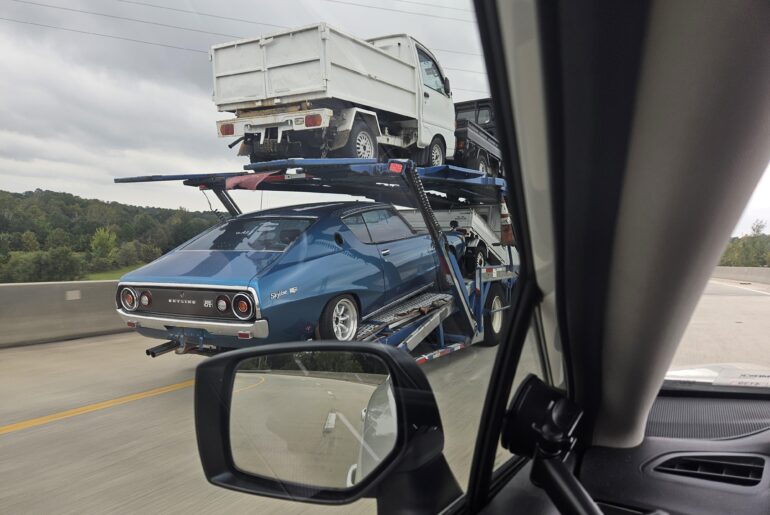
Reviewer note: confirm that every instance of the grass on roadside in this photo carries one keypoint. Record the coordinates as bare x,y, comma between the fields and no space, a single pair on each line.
111,274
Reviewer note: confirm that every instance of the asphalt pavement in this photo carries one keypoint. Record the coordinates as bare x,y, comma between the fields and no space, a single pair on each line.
95,426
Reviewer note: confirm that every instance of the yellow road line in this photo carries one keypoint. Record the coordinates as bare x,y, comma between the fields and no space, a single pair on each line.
261,380
33,422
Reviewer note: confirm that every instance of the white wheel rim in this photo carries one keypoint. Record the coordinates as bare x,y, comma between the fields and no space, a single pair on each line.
483,167
435,155
345,320
497,316
480,259
364,145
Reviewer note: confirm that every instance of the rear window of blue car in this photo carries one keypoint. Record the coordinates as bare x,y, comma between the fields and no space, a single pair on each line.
259,234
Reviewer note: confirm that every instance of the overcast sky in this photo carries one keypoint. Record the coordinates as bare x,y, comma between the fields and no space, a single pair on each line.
77,110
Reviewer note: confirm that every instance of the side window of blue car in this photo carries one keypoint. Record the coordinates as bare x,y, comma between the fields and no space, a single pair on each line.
385,225
357,226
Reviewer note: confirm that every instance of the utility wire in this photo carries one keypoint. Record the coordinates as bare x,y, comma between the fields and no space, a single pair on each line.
464,70
37,4
105,35
190,11
436,5
396,11
254,22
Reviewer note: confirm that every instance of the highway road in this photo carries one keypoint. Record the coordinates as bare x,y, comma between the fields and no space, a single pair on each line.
94,426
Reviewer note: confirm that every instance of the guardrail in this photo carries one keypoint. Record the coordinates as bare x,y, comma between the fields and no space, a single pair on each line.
45,312
743,273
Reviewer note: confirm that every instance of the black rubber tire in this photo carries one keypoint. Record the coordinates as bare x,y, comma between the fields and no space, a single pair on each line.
326,322
480,163
349,150
491,338
436,145
472,256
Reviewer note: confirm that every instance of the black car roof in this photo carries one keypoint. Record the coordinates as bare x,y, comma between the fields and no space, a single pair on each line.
317,209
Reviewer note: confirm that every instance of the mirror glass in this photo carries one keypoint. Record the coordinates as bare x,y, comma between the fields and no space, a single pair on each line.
320,418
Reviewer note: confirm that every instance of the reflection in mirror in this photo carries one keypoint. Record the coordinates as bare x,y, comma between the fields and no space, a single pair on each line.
320,418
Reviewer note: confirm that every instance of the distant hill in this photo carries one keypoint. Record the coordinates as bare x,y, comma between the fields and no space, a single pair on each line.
51,236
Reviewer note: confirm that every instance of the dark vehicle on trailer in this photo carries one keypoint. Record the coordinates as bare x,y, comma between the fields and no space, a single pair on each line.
476,145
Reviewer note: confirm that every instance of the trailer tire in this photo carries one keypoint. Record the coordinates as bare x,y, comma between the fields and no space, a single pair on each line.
480,163
435,153
333,326
475,257
493,322
362,143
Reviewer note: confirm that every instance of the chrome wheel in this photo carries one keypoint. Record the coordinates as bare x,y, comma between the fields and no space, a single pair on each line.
364,145
345,320
483,168
436,157
497,316
480,261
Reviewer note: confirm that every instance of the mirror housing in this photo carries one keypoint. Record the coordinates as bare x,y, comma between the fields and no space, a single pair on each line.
447,89
398,482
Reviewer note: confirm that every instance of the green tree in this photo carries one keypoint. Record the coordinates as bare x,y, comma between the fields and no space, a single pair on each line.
128,254
58,237
104,244
29,241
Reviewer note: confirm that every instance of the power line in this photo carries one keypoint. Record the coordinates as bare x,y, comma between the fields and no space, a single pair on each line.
464,70
455,52
396,11
105,35
436,5
189,11
123,18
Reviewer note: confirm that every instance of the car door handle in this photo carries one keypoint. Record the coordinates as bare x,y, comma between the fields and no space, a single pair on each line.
425,94
385,252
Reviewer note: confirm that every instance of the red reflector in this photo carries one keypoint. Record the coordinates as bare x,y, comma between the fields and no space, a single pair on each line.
227,129
132,325
244,335
313,120
395,167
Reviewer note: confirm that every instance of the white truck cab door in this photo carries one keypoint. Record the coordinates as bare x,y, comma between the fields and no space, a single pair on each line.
437,114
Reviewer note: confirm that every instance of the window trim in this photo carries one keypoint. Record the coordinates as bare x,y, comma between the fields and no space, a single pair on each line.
435,63
395,212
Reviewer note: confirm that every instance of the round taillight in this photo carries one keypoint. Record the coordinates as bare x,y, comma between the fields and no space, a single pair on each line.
242,306
223,303
145,299
128,299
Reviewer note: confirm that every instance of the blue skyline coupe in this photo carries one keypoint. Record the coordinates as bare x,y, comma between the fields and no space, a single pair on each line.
284,274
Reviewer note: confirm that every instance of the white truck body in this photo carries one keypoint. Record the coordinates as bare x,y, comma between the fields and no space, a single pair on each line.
275,81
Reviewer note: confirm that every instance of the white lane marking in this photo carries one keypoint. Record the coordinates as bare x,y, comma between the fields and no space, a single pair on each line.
357,435
331,419
739,287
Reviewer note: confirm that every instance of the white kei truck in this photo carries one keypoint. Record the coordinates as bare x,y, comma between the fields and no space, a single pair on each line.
318,92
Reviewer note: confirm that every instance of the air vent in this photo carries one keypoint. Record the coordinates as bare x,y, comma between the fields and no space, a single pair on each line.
734,470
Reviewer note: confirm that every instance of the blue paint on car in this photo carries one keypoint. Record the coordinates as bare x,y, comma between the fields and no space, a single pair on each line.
298,258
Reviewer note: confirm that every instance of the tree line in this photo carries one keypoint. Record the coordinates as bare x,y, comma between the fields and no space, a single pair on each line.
52,236
750,250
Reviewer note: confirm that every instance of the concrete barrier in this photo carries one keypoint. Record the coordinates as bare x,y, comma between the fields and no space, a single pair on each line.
45,312
743,273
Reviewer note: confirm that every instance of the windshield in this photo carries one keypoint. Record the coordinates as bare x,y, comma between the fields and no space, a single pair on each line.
726,341
260,234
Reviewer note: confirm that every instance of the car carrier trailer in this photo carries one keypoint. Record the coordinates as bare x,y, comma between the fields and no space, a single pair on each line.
430,324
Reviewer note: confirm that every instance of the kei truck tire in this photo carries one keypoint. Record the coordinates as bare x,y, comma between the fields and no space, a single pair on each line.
493,322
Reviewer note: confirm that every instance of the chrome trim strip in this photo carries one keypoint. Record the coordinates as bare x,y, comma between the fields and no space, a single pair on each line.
397,301
257,311
257,329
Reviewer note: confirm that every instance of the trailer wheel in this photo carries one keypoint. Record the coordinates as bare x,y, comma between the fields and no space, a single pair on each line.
480,163
362,142
493,322
436,152
476,257
339,319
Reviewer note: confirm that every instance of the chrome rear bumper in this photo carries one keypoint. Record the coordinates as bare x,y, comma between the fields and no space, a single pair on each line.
256,329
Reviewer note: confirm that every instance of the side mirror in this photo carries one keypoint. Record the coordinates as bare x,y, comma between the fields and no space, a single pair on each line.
323,422
447,89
